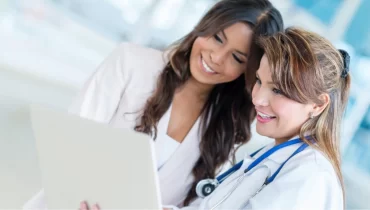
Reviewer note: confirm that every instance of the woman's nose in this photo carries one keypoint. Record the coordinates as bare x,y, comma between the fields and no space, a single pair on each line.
218,56
260,98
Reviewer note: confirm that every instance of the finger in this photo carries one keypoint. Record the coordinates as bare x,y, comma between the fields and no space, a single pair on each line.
83,205
95,207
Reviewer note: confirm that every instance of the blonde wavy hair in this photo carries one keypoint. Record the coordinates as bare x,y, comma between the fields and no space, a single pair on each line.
304,66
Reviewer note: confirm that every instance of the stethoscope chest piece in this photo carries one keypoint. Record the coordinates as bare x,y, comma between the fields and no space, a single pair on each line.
206,187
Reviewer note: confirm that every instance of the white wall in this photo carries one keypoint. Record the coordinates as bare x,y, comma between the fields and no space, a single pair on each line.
20,177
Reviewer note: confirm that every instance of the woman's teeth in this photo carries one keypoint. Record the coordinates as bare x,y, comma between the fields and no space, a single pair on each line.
206,67
264,116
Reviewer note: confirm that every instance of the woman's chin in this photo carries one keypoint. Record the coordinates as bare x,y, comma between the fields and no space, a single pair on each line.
264,132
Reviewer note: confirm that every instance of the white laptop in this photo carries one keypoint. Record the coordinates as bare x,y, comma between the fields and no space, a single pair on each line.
84,160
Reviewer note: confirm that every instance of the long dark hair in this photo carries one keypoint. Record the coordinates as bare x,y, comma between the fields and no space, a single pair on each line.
228,111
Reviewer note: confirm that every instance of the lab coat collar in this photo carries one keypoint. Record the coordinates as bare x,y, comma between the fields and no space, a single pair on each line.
281,155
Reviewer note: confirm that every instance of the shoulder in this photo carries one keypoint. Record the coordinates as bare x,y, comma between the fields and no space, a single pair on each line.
311,177
310,163
141,64
141,56
307,181
139,49
313,159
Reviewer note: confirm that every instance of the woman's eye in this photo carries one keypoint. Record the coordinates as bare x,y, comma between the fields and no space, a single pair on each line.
277,91
237,59
217,38
258,81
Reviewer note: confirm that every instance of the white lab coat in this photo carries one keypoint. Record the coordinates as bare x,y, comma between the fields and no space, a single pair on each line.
307,181
115,94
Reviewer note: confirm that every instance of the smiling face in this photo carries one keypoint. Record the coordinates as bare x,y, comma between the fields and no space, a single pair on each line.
278,116
223,57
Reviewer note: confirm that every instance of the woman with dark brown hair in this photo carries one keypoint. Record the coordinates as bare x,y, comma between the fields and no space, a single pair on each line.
193,101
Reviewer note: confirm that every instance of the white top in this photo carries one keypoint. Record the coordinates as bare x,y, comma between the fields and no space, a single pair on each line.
165,146
307,181
115,94
165,149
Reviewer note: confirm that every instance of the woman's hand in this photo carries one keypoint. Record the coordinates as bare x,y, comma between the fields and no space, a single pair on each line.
85,206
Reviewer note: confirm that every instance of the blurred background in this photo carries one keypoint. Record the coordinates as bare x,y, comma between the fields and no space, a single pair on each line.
48,48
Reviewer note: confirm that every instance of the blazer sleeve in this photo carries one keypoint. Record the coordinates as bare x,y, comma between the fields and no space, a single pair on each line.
101,94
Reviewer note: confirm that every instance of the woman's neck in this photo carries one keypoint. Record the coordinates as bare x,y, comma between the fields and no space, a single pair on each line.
196,89
283,139
280,141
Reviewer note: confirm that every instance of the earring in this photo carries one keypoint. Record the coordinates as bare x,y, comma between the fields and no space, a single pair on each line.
311,115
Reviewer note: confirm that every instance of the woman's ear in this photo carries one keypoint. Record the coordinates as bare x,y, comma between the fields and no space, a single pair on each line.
317,109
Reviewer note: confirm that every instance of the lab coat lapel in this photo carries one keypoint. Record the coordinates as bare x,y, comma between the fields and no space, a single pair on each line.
281,155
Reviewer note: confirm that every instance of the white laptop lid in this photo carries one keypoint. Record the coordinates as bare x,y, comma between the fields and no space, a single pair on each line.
85,160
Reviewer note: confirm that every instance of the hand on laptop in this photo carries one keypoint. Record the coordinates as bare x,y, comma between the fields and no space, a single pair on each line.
85,206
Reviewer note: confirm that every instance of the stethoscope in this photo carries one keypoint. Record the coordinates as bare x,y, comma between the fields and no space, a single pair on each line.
207,186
